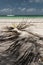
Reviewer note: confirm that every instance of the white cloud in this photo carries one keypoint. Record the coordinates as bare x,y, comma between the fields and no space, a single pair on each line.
27,9
6,10
22,9
35,11
31,10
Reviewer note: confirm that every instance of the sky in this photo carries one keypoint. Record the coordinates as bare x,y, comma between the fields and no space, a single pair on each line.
21,7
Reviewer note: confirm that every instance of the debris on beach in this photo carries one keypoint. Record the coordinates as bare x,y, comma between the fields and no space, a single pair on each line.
20,46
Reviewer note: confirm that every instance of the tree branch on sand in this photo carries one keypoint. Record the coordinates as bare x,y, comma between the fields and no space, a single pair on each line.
24,46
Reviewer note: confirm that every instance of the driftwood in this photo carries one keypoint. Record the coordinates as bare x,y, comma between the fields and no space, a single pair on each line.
23,49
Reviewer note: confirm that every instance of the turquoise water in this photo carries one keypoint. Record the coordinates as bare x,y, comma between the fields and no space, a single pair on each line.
20,16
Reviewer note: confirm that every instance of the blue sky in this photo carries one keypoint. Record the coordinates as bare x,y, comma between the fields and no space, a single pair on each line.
21,7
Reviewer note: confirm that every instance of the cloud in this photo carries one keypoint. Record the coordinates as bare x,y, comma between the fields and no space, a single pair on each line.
31,10
36,1
6,10
41,10
31,1
22,11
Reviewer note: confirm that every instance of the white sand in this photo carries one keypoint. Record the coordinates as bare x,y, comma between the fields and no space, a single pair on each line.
37,28
38,22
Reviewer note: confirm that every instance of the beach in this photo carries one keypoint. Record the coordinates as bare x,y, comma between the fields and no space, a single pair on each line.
33,32
37,21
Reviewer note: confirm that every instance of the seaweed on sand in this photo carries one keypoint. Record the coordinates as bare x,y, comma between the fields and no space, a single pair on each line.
23,47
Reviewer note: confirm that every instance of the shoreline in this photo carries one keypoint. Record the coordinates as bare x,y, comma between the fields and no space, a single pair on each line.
21,16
